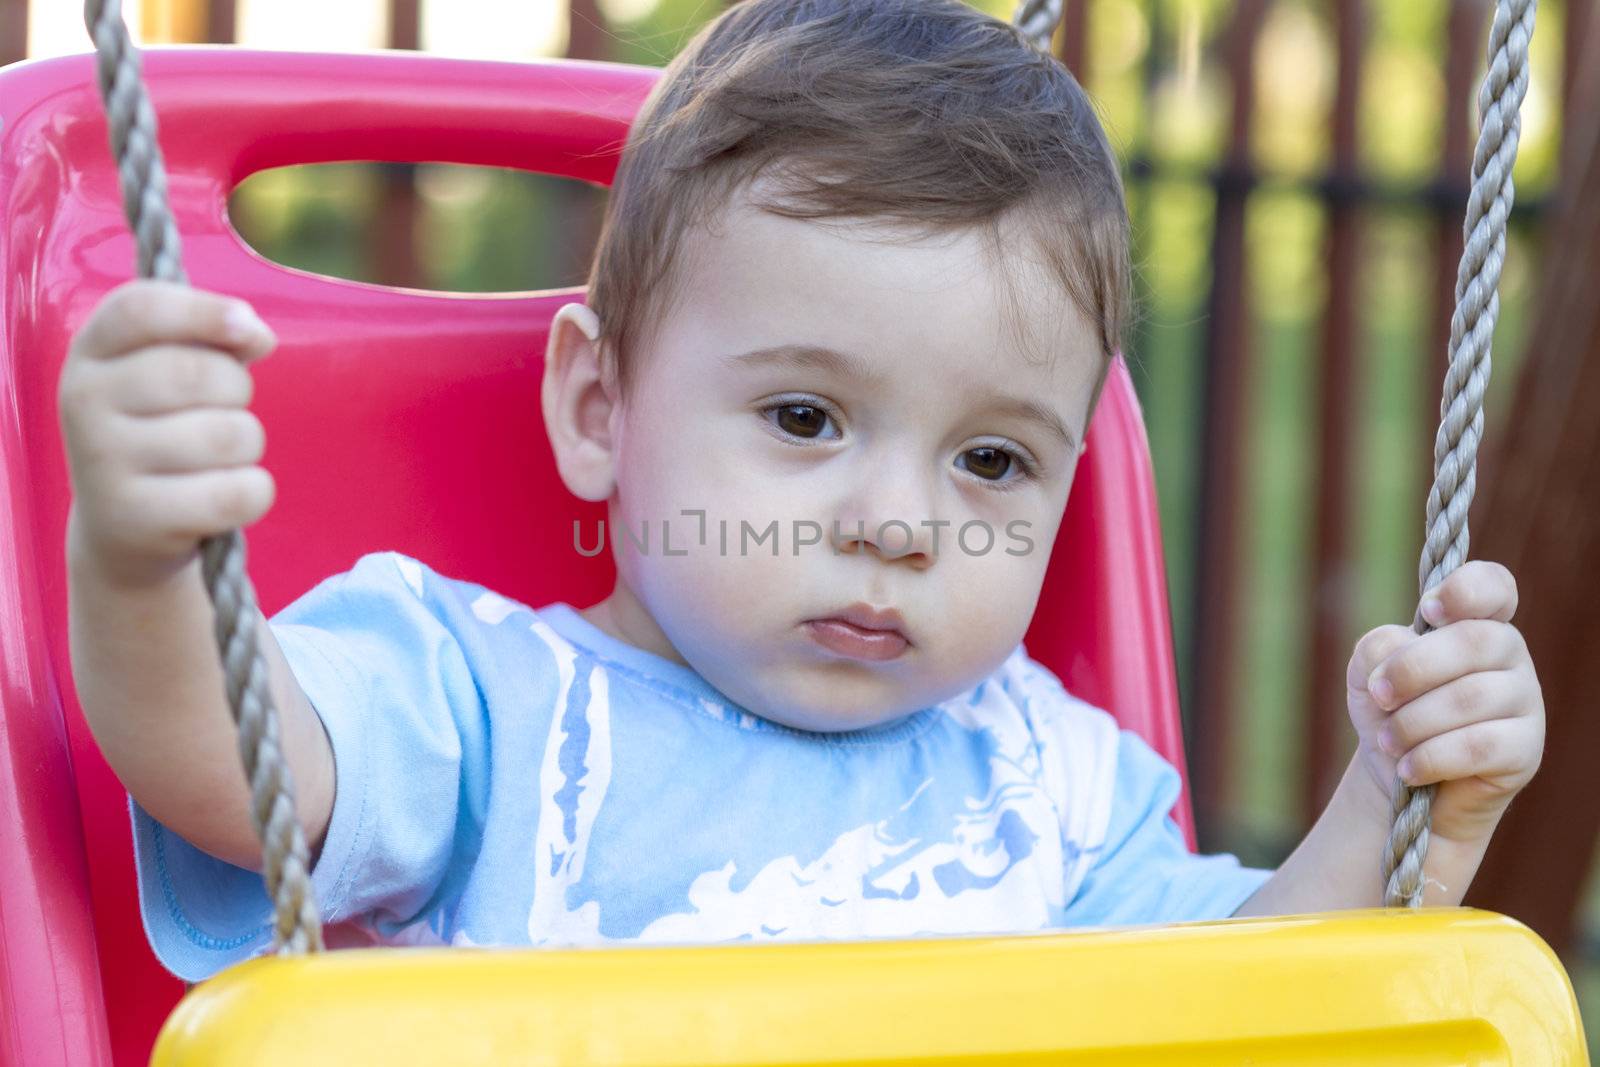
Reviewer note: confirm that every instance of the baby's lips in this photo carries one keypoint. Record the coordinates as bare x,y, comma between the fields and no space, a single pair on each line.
847,639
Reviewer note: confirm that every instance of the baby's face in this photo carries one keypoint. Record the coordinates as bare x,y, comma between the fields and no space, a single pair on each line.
880,464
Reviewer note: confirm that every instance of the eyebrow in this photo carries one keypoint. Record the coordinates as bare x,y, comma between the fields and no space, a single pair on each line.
1033,411
820,357
816,357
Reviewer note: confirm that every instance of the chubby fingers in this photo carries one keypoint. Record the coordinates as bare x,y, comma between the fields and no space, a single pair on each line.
165,379
1497,749
1376,646
1478,589
1473,698
1435,659
146,312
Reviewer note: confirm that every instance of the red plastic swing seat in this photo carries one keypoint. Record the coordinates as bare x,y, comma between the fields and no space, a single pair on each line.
397,419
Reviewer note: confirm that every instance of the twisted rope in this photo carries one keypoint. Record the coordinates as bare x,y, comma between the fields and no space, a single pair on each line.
1455,447
1037,20
297,927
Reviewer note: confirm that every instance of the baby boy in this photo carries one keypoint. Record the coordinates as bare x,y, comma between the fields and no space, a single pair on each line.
863,273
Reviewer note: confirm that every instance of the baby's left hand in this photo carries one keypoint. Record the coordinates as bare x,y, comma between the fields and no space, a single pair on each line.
1460,706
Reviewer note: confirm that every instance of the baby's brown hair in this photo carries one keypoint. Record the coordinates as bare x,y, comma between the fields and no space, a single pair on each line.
925,114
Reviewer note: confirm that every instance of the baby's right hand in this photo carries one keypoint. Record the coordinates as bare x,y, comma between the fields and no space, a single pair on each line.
162,449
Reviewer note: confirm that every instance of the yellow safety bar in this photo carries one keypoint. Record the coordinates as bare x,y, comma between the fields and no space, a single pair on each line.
1441,986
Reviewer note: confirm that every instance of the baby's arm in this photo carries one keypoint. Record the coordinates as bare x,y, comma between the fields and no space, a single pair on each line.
1338,865
1459,707
163,452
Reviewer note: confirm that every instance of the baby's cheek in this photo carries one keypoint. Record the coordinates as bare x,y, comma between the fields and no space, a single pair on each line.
716,591
989,600
730,591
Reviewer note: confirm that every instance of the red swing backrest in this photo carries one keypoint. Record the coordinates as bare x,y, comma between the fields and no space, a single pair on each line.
396,419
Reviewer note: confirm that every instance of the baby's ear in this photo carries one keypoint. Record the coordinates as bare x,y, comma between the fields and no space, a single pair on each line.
579,398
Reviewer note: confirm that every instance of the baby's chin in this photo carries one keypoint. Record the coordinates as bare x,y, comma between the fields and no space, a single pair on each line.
839,696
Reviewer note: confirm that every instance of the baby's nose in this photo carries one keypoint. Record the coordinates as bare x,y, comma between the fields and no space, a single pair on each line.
890,508
909,540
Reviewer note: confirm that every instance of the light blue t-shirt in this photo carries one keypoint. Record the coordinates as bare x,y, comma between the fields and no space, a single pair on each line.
506,776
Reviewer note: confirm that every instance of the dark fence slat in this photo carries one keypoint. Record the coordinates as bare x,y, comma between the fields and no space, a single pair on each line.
222,21
392,236
1226,407
405,24
13,31
1333,581
579,211
1071,47
587,37
1580,25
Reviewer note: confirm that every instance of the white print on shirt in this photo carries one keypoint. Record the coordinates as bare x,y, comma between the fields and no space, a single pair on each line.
579,741
1003,866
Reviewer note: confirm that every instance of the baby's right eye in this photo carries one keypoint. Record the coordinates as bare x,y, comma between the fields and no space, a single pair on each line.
802,420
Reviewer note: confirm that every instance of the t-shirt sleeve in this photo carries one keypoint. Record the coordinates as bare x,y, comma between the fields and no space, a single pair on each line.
373,651
1143,872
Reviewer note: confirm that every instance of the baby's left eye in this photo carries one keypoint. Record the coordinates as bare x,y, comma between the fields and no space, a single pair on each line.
989,463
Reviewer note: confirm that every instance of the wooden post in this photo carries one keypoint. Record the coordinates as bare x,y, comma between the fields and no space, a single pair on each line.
13,31
1140,181
587,37
579,209
222,21
1332,594
1226,408
1539,514
1071,47
393,243
1580,25
405,24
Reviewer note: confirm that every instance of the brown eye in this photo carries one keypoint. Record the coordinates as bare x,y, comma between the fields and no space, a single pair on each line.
802,420
991,463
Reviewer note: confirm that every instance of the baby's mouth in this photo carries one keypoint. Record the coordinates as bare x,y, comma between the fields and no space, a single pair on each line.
861,632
